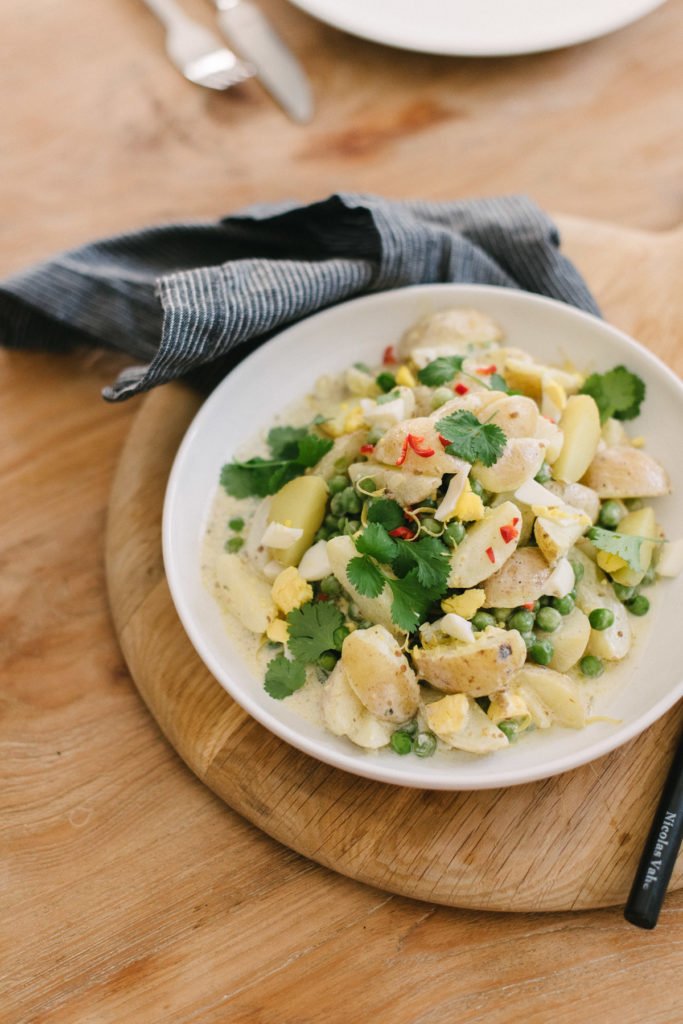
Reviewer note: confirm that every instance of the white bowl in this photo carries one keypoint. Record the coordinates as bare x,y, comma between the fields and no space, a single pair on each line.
643,688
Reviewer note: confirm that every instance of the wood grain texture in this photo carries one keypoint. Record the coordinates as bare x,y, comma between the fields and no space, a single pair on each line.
566,843
128,891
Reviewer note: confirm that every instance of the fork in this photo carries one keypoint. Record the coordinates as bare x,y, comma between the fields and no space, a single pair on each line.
197,53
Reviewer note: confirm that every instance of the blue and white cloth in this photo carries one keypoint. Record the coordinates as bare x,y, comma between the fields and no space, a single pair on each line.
190,299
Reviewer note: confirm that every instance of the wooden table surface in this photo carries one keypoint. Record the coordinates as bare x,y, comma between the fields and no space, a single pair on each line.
129,893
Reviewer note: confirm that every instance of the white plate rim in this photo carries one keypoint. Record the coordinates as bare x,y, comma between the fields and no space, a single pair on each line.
352,762
422,37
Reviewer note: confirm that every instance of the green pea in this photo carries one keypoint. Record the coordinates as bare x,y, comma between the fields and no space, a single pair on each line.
331,586
352,502
544,601
322,534
611,514
440,397
529,640
548,619
454,533
431,526
386,381
337,504
578,570
564,605
639,605
482,620
510,727
591,666
544,474
410,727
522,621
234,544
401,742
501,615
327,660
366,484
542,652
331,522
338,483
341,465
425,744
601,618
350,527
477,488
236,524
339,636
624,593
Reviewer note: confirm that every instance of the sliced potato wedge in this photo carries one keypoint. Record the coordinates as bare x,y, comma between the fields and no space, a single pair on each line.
484,549
406,488
244,594
299,504
380,675
521,579
460,723
640,523
477,668
625,472
558,695
521,460
345,715
340,551
570,640
580,425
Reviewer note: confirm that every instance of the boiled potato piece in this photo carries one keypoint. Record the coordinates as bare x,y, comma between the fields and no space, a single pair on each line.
340,551
460,723
570,640
449,330
299,504
346,447
528,376
521,460
244,594
380,675
578,496
640,523
345,715
516,415
477,668
558,529
523,578
550,697
626,472
391,449
470,562
592,592
580,425
406,488
553,437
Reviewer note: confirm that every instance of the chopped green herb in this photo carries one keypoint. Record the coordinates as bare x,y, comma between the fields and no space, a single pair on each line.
312,628
294,451
428,556
367,578
441,371
617,393
375,541
387,512
470,439
497,383
283,677
624,545
236,524
386,381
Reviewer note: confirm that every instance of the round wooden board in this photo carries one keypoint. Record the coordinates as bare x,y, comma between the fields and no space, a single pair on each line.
570,842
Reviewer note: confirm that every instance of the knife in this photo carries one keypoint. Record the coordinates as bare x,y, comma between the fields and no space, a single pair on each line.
276,66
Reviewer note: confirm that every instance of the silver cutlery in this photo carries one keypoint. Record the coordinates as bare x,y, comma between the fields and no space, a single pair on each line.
197,53
276,67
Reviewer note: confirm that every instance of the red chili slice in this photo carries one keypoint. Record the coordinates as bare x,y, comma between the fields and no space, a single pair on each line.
404,451
444,440
367,449
414,441
486,371
508,533
403,532
529,606
461,389
389,357
490,555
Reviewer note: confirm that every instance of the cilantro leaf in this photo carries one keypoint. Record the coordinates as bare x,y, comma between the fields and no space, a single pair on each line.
375,541
283,441
470,439
626,546
367,578
497,383
440,371
410,601
617,393
283,677
297,450
311,449
311,629
429,558
387,512
388,396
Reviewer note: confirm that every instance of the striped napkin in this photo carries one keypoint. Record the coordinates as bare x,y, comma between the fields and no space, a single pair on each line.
191,299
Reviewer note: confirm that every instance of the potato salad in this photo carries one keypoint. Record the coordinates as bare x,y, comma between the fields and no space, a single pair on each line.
447,543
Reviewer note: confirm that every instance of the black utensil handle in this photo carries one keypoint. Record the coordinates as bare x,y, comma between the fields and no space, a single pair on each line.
660,851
